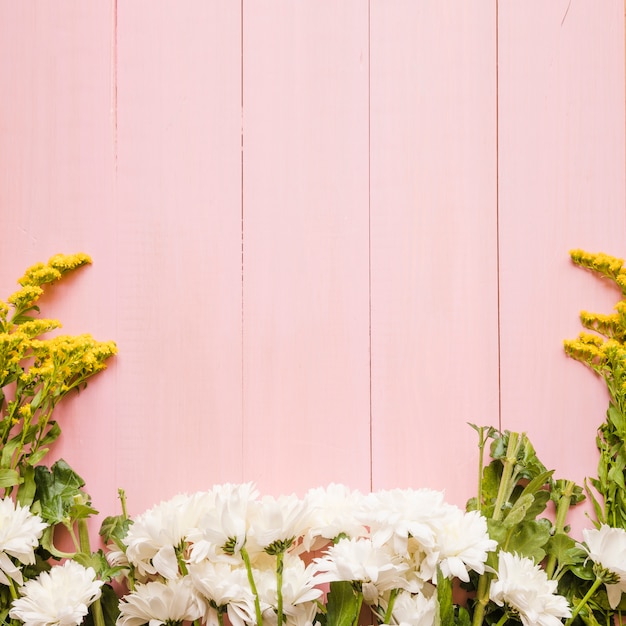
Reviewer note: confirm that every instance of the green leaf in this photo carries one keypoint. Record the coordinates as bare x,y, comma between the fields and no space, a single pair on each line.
110,607
52,434
56,491
529,538
9,478
342,604
26,491
115,528
445,605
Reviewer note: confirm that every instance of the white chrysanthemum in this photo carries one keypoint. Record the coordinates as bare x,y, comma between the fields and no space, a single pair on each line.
525,588
414,609
303,615
275,521
331,512
154,535
59,597
158,603
225,524
463,543
20,532
224,585
376,567
606,546
299,584
396,515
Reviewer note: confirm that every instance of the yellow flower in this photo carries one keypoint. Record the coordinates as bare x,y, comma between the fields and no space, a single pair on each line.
25,297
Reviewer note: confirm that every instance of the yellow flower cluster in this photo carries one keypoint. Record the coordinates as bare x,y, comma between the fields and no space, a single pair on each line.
37,372
604,264
603,355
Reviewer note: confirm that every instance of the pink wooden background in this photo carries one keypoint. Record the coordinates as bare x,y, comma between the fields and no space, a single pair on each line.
326,235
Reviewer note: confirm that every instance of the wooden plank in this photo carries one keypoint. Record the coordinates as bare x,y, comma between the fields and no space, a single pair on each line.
434,245
56,195
561,186
179,247
305,182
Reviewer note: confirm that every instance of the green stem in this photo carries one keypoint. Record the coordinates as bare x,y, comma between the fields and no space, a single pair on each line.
596,583
507,483
392,601
83,536
503,619
358,608
279,585
257,602
562,508
505,488
481,456
97,613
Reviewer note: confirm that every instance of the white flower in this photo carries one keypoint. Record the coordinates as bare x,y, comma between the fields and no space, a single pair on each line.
298,584
224,524
60,597
397,514
331,512
158,603
20,532
462,544
606,546
525,588
225,586
414,609
275,521
153,537
360,560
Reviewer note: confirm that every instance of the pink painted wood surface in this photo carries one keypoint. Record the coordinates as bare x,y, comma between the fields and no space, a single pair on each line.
434,247
385,260
561,186
305,234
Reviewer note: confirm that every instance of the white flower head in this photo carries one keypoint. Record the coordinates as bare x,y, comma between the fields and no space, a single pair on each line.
20,532
463,543
158,603
331,512
224,585
276,521
299,584
606,547
360,560
59,597
222,529
155,535
414,609
526,589
396,515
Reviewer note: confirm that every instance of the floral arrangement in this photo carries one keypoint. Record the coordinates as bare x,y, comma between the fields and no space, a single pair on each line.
335,557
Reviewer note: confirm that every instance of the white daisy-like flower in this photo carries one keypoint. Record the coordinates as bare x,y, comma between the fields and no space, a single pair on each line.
376,567
462,544
275,521
525,588
414,609
331,512
606,547
396,515
59,597
224,585
223,527
20,532
299,584
157,603
155,535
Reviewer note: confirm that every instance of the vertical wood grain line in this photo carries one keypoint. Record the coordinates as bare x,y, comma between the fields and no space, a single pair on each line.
369,231
114,61
497,122
242,402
